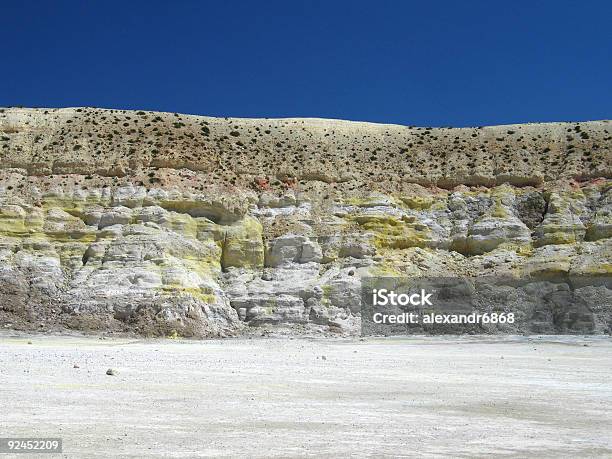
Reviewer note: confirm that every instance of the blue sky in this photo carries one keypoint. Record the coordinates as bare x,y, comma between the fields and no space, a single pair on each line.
427,63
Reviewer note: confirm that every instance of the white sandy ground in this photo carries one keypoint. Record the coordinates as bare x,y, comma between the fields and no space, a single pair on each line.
439,396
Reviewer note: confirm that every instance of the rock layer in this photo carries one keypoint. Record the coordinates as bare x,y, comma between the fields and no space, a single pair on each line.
168,224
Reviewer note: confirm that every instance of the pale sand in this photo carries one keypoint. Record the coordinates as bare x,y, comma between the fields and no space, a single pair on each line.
461,397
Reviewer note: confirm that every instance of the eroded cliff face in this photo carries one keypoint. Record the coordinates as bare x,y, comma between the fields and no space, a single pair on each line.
164,224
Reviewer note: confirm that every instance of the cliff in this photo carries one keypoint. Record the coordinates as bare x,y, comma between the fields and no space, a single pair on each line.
159,223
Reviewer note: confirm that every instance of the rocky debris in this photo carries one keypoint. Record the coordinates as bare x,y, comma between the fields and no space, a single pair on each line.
291,248
169,225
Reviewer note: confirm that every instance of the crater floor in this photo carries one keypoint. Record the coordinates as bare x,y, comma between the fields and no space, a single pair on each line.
461,397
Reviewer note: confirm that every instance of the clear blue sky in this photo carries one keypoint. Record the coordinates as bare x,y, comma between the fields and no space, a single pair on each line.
428,63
